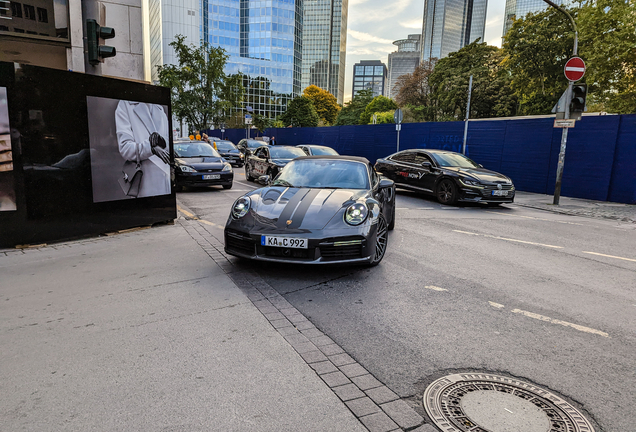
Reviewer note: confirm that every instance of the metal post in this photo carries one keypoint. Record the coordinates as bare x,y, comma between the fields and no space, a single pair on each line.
398,136
470,91
564,133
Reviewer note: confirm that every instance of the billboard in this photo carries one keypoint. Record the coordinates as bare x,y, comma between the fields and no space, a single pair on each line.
7,182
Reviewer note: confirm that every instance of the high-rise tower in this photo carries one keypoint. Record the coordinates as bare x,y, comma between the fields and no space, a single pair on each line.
516,9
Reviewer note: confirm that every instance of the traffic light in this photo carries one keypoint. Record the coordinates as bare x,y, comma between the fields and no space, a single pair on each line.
577,103
94,32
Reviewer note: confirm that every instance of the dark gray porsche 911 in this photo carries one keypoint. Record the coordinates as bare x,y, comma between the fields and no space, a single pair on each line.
318,210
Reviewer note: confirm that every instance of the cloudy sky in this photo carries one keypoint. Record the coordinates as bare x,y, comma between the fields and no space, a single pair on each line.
375,24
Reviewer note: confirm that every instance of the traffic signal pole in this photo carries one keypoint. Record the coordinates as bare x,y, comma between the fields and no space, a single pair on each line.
564,131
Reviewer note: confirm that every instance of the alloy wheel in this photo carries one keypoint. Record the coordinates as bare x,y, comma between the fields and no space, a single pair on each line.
381,240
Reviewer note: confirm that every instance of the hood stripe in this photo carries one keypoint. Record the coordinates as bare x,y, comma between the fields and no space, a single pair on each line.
290,207
301,211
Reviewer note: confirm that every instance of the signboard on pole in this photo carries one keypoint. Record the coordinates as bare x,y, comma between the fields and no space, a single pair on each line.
564,123
398,116
248,119
574,69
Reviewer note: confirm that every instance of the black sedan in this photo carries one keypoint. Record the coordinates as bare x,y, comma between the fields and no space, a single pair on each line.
247,146
198,164
317,150
269,160
230,152
319,210
449,176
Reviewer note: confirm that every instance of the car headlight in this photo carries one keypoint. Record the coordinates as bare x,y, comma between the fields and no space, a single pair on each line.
227,167
356,214
473,183
185,168
241,207
241,155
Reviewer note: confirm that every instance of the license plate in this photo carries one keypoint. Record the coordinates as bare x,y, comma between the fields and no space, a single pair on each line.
500,193
285,242
211,176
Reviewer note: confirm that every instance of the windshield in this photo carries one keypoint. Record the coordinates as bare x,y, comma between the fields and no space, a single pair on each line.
255,144
319,151
195,149
285,152
224,146
324,173
453,160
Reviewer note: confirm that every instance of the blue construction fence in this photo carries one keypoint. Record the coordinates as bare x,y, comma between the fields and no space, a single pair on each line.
600,160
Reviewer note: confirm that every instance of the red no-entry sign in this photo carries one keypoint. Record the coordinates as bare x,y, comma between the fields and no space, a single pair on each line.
574,69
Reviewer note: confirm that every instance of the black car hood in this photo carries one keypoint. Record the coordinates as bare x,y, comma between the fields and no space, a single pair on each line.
202,163
481,174
306,208
232,151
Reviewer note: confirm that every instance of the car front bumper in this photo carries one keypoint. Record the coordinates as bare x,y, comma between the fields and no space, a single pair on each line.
198,179
485,195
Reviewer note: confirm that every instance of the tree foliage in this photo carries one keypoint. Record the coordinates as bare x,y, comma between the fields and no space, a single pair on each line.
300,113
261,122
202,94
378,104
415,92
350,113
385,117
492,95
325,103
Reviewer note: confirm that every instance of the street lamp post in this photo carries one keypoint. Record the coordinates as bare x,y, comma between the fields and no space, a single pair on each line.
568,97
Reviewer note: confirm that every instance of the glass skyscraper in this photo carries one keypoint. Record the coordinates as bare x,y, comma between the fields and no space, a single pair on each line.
516,9
403,61
449,25
263,40
324,45
369,74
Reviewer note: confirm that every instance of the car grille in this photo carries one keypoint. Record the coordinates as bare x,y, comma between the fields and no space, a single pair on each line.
489,188
286,252
335,253
239,242
209,171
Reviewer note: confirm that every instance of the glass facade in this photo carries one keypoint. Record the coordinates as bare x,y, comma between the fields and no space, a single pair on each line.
516,9
450,25
324,45
403,61
46,18
370,74
263,40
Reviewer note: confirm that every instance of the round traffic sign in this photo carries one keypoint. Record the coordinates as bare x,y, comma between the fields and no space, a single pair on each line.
574,69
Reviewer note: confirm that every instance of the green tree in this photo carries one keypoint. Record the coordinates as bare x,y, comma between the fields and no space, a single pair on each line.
261,122
300,113
202,94
378,104
350,113
536,49
491,96
416,94
607,43
384,117
325,103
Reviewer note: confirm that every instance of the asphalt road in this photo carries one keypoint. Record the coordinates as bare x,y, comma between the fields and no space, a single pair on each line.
544,297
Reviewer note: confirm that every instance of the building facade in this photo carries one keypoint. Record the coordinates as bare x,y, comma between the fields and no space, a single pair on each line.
516,9
403,61
324,45
449,25
370,74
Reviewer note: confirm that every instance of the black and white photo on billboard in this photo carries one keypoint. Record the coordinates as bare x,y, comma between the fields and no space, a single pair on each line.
130,150
7,181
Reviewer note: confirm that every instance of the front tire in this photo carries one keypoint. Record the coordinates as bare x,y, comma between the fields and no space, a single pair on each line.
381,241
446,192
248,177
392,224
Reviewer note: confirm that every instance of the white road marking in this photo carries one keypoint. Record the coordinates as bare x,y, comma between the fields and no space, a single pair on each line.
563,323
508,410
247,184
610,256
509,239
536,218
435,288
414,208
497,305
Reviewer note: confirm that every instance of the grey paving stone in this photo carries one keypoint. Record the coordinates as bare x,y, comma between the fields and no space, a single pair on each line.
322,340
362,407
296,338
297,318
280,323
348,392
324,367
402,414
366,382
341,359
274,316
289,311
335,379
312,332
381,395
304,325
426,428
313,356
331,349
285,331
353,370
304,347
279,301
378,422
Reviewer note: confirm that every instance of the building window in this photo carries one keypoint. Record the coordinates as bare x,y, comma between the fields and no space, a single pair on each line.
29,12
43,15
16,9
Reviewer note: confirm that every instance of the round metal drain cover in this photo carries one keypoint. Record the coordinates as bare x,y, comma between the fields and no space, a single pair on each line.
478,402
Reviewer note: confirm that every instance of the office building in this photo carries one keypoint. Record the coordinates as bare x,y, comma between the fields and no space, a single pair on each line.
449,25
324,45
516,9
403,61
370,74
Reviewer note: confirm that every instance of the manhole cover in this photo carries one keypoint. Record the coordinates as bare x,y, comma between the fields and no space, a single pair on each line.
478,402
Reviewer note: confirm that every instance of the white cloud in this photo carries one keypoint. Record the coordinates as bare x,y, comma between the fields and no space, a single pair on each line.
366,37
414,23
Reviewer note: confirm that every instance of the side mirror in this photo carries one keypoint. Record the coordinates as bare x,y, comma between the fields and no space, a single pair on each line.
264,180
385,183
426,165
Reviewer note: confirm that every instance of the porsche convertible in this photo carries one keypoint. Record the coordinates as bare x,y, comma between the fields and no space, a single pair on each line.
318,210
